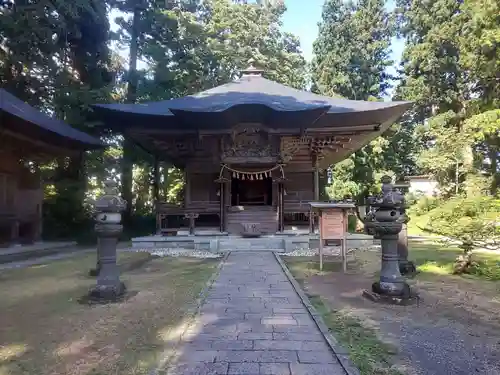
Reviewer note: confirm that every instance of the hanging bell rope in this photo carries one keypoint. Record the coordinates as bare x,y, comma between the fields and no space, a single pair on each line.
253,175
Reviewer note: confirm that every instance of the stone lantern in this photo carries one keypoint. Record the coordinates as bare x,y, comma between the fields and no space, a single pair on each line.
108,227
406,267
385,222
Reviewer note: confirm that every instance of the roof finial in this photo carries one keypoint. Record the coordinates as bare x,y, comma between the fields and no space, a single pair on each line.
251,70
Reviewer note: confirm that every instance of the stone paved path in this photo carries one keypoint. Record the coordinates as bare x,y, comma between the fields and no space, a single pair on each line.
254,323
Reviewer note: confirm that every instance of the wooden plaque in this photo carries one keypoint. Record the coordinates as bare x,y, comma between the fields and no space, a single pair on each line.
333,225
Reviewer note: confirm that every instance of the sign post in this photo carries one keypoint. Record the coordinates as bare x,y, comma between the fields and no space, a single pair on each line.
332,226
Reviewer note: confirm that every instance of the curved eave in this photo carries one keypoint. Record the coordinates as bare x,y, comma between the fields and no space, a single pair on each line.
20,118
28,131
122,116
360,140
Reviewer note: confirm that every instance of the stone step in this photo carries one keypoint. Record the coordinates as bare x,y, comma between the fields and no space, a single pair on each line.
250,244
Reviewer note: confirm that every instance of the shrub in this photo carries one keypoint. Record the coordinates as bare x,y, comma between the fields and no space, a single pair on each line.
352,223
424,205
470,220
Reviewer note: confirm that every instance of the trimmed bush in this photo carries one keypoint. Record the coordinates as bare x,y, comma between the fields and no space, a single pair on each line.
424,205
472,221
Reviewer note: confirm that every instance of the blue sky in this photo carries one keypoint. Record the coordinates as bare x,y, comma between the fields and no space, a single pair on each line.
301,19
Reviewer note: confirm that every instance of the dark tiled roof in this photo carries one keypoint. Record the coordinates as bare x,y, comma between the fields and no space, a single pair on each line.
253,91
26,113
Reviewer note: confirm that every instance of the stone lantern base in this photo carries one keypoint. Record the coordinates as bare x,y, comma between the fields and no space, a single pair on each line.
407,268
106,294
405,298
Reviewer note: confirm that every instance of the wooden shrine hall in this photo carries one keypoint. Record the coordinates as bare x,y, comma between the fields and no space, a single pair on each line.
29,136
252,150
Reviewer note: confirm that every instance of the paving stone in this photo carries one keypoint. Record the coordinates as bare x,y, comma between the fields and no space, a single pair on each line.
313,336
243,368
228,344
304,320
209,336
255,336
290,345
314,369
268,315
274,369
279,320
323,356
254,326
254,323
199,369
193,356
254,309
260,356
294,329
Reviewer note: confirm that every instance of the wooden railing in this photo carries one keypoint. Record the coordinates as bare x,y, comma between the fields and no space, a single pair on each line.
190,211
296,206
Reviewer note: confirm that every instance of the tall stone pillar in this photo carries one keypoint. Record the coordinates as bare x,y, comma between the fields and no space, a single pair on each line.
405,266
109,206
385,223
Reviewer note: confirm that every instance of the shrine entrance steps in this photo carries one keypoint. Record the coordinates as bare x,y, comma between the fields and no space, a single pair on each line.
266,217
221,243
252,244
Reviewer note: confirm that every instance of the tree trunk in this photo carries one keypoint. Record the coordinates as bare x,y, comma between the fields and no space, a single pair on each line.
128,146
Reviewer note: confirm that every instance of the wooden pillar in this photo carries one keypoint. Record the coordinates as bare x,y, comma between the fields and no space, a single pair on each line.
281,207
316,183
311,221
156,192
312,216
191,216
156,179
222,202
187,188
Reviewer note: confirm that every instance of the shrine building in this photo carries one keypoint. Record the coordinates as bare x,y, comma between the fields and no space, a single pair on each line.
27,137
252,150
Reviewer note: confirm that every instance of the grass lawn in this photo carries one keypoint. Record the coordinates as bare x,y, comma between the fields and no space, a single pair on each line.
44,330
356,322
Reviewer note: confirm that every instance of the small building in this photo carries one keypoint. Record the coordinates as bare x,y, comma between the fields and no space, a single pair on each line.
27,135
251,149
423,185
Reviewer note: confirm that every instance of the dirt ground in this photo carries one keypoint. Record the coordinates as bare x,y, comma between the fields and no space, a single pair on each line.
455,329
44,330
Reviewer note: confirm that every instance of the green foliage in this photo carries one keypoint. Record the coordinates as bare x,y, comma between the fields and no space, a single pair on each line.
488,269
477,185
450,69
449,156
352,222
352,49
351,56
424,204
470,220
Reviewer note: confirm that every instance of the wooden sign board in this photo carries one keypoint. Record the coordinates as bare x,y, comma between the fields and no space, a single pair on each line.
333,226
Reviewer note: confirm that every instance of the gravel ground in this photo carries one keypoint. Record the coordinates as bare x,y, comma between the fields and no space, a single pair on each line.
445,347
438,337
164,252
330,250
